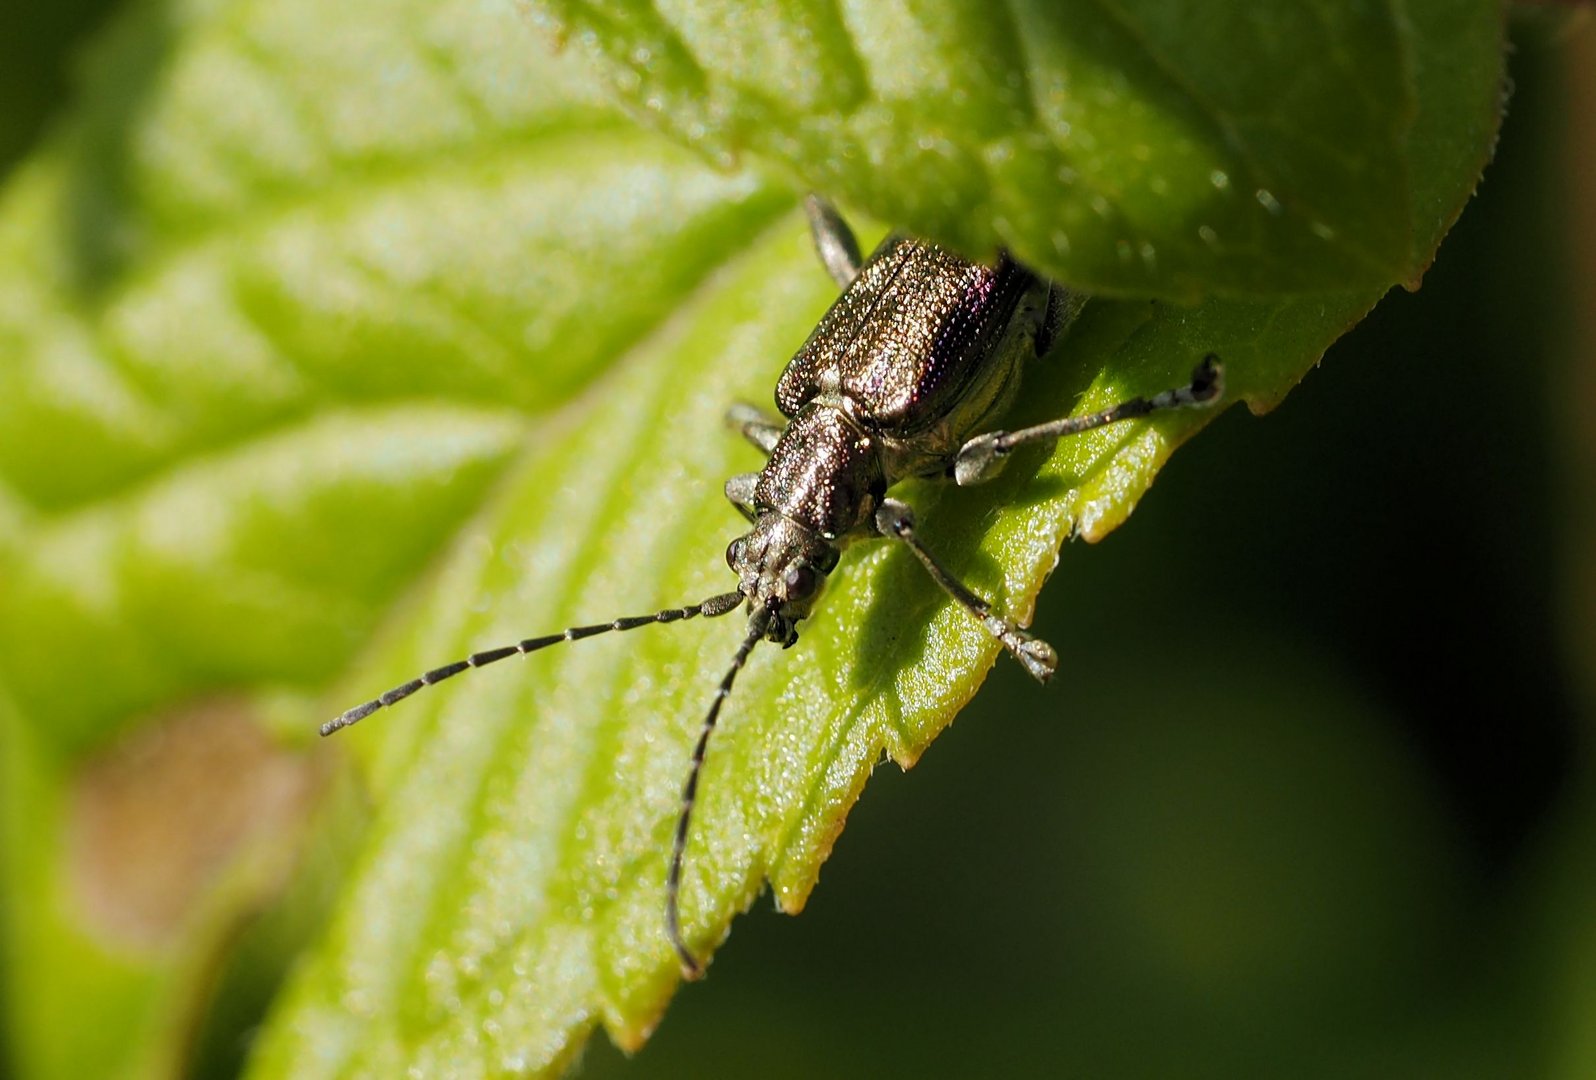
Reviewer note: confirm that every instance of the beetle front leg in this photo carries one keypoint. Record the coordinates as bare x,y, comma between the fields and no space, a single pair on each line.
740,492
984,456
755,425
895,520
834,241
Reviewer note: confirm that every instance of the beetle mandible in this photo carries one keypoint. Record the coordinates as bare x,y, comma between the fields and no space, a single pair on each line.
922,351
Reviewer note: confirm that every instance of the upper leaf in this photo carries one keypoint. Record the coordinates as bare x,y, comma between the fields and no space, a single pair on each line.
1175,149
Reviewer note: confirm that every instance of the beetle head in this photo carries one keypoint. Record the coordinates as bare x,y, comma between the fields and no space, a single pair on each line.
782,566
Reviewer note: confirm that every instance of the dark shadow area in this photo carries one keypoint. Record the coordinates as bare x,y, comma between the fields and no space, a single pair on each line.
101,228
36,54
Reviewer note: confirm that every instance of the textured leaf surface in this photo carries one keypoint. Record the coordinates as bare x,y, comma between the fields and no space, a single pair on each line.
302,311
274,320
1184,147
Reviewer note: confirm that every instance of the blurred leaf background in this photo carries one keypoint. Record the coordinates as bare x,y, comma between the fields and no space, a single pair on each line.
1347,828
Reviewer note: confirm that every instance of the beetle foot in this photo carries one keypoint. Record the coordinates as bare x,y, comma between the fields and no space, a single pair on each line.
981,459
1034,654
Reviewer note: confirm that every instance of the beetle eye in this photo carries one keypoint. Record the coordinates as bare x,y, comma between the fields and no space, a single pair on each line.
734,552
800,581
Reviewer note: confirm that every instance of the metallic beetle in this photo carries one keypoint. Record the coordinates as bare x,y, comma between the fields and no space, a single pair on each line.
921,353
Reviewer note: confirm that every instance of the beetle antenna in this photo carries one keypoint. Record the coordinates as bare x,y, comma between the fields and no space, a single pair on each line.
714,606
758,623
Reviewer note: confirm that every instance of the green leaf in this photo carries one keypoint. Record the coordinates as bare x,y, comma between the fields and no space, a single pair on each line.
1176,149
382,335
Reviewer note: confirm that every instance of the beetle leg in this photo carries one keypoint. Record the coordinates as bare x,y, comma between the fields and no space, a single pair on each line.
984,456
834,241
755,425
1063,304
740,491
896,521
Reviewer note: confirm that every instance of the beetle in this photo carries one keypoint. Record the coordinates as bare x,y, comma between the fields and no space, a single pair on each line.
901,378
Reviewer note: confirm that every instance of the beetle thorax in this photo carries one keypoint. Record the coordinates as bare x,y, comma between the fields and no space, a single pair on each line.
824,473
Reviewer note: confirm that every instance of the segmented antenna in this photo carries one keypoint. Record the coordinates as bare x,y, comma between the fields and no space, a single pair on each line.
758,623
714,606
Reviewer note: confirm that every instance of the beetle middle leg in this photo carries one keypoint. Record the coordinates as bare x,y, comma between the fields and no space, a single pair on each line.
984,456
1063,305
895,520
